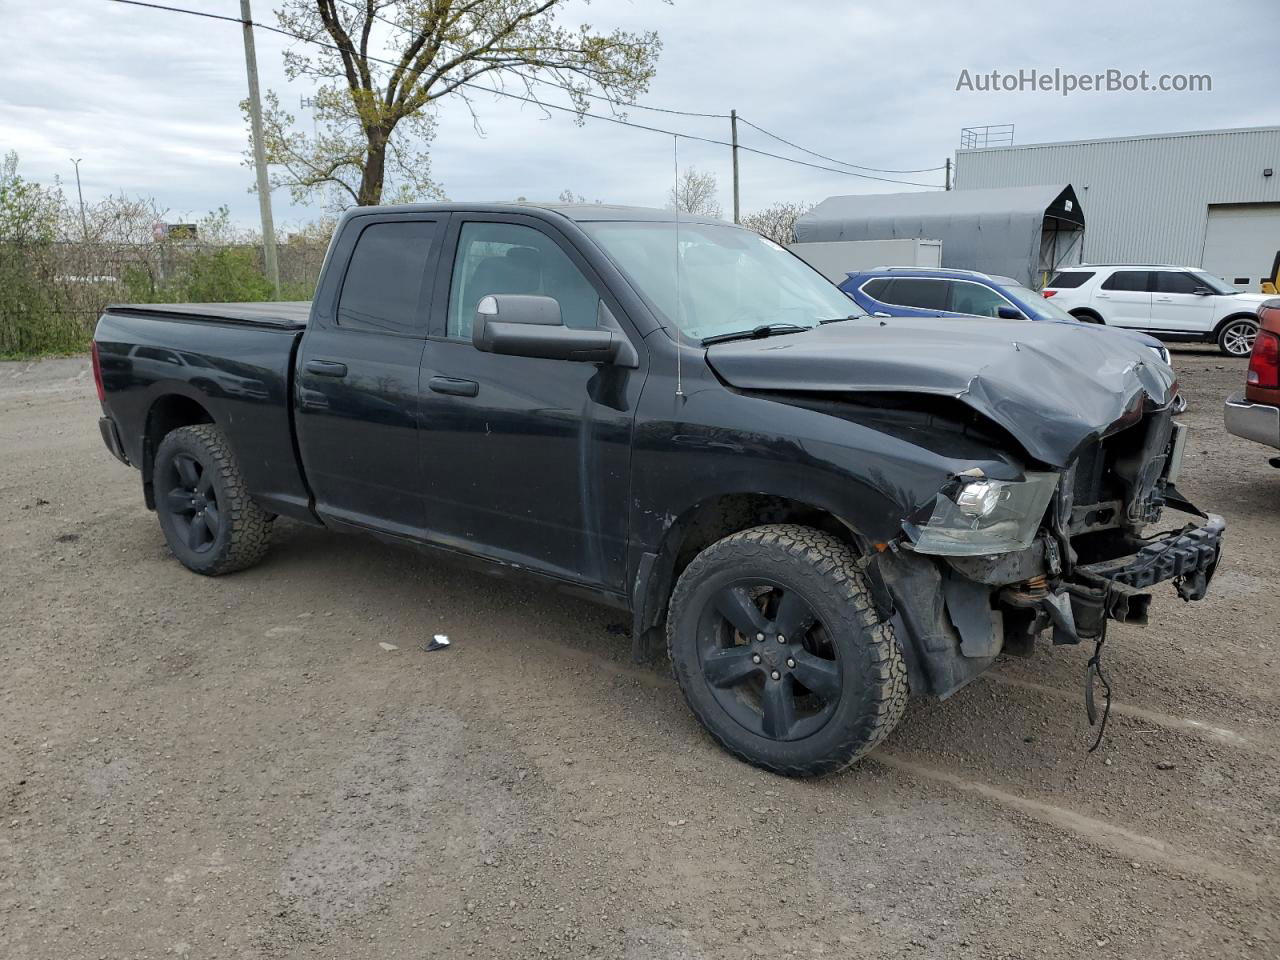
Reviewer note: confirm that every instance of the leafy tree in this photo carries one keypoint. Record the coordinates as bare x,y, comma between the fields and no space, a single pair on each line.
777,221
29,215
695,193
374,118
28,212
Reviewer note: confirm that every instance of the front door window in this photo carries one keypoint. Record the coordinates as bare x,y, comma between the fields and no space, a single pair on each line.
510,258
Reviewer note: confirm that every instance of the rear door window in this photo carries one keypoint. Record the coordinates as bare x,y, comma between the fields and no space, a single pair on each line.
1130,280
1070,279
919,292
387,285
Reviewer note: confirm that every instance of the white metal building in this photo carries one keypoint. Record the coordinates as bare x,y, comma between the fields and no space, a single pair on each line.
1207,198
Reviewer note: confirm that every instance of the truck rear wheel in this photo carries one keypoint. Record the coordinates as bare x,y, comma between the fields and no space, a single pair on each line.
208,518
780,654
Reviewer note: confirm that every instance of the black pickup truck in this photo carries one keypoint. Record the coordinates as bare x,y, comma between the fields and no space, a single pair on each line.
819,511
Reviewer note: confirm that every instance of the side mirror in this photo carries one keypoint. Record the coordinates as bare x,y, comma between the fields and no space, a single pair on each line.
524,325
1202,292
1009,313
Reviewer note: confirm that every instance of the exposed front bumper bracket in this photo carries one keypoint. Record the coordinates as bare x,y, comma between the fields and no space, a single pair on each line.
1113,589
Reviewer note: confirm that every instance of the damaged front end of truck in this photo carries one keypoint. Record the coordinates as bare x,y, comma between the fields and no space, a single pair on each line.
990,565
1052,537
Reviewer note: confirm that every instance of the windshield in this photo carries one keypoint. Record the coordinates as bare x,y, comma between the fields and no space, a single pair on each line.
731,280
1213,283
1036,303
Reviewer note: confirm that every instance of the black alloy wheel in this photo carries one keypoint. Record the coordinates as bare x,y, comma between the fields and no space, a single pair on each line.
192,502
767,660
779,651
210,521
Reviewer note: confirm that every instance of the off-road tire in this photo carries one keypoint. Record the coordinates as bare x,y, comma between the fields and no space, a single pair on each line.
245,528
824,571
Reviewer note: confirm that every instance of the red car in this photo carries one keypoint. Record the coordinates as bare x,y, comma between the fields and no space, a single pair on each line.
1255,413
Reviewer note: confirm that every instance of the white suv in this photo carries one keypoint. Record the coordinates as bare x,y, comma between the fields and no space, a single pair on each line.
1174,303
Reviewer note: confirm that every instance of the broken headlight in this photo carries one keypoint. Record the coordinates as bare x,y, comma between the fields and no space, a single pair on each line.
984,516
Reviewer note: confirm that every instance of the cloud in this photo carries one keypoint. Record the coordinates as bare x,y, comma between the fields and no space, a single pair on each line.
150,100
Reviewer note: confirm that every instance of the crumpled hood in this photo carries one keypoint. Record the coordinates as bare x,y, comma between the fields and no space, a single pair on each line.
1051,385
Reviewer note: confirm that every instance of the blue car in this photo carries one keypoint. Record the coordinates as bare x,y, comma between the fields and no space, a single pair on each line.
935,292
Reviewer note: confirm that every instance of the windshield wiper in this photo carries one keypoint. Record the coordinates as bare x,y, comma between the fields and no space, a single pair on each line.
852,316
756,333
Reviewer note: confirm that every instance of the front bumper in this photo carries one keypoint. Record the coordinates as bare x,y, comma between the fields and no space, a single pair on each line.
1114,589
1259,422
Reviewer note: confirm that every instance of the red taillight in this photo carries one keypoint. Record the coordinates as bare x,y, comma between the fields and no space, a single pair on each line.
1048,293
97,374
1264,362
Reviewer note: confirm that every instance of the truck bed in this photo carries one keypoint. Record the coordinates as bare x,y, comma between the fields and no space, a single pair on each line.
284,314
235,360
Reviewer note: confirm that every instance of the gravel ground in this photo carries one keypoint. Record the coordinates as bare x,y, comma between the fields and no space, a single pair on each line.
236,767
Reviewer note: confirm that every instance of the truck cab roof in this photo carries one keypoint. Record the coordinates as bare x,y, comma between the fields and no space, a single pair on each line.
578,212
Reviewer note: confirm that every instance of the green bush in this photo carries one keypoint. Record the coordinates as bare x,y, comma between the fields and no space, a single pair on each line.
226,275
59,268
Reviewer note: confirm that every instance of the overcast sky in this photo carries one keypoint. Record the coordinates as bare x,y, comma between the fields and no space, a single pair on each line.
149,99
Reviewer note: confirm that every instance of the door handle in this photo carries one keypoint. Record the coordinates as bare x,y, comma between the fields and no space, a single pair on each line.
327,368
454,387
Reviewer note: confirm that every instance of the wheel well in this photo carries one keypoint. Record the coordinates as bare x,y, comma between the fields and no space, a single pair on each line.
698,528
1081,312
167,414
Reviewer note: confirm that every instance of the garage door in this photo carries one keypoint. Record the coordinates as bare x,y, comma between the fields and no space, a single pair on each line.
1241,242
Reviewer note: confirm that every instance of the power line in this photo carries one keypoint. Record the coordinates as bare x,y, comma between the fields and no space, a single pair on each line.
352,4
559,86
194,13
823,156
534,100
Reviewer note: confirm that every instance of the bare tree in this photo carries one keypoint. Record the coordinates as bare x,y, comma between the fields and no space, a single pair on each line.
777,221
695,193
383,65
568,196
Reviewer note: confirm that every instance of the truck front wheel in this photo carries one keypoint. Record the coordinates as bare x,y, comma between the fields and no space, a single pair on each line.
780,654
208,518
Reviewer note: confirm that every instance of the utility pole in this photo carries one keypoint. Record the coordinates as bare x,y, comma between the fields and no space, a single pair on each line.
948,180
733,127
259,151
84,224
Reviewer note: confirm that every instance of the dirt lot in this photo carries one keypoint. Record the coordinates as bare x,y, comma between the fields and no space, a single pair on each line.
235,768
